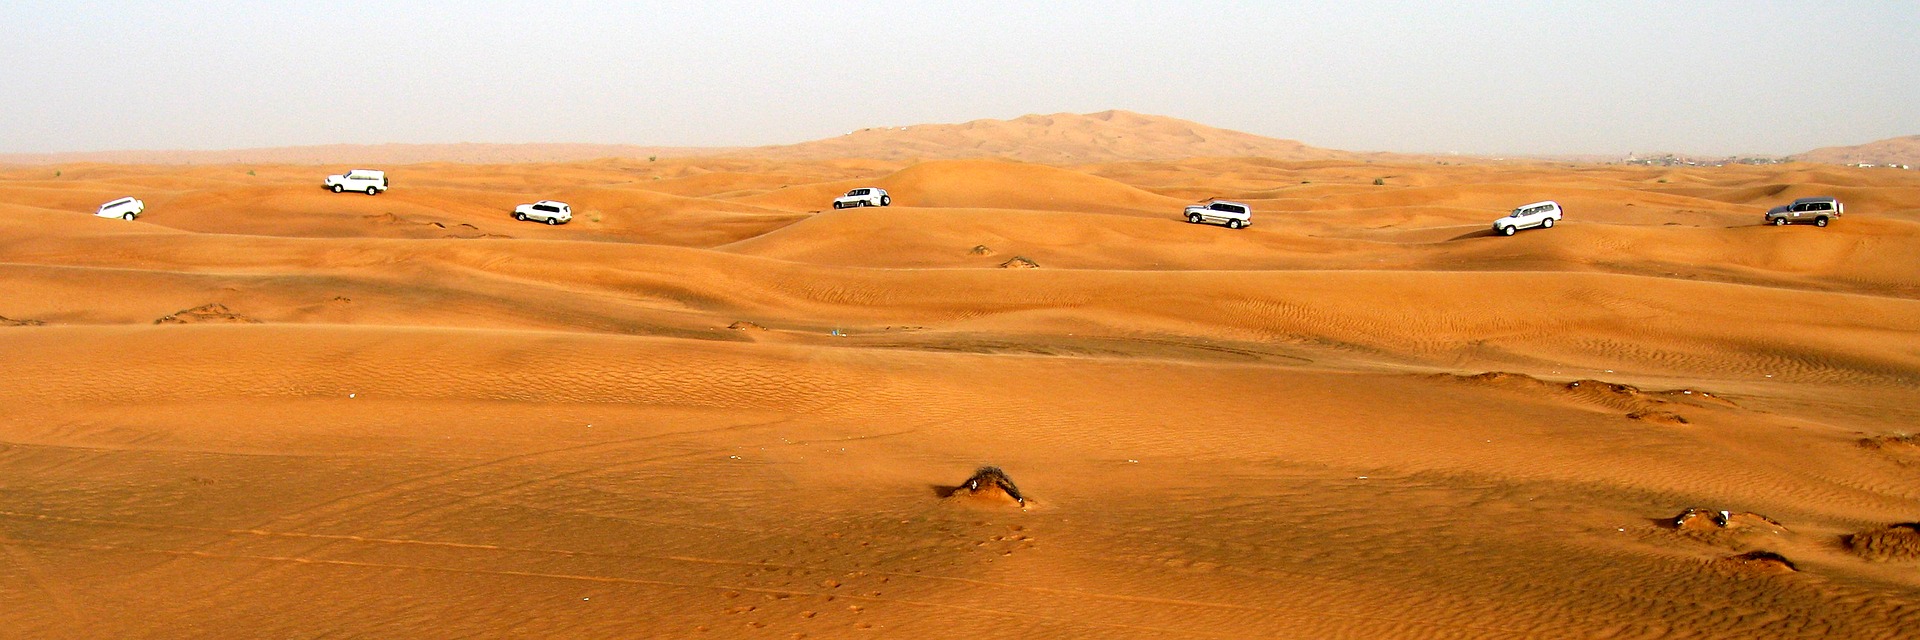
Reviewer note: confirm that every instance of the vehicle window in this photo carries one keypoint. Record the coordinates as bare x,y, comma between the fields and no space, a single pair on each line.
542,207
1822,206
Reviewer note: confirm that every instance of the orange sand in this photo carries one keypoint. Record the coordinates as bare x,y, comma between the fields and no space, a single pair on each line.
412,416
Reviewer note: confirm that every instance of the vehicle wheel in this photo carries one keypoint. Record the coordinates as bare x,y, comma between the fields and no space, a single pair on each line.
1235,224
1507,231
127,216
552,221
1547,223
1820,221
1779,222
338,188
836,205
886,200
373,191
520,216
1193,218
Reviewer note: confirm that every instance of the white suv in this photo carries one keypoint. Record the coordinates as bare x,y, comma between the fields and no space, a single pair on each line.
1233,214
547,211
126,208
863,197
368,180
1539,214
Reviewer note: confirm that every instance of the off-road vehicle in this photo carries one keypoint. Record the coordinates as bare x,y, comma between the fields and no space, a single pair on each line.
126,208
368,180
1233,214
863,197
1542,214
547,211
1818,210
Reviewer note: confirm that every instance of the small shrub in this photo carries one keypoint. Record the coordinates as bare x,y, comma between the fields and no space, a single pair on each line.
652,158
249,172
56,173
1663,181
1379,181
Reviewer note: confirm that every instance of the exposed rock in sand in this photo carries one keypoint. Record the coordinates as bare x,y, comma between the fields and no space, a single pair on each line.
988,484
206,313
1892,442
1894,543
743,325
1019,262
10,322
1695,519
981,250
1658,417
1604,386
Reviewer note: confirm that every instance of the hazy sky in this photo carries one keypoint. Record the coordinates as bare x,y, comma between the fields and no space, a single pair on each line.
1538,77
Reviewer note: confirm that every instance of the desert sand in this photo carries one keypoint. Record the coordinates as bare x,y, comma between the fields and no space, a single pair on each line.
712,406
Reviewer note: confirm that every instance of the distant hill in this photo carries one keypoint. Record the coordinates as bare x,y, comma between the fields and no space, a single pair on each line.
1902,150
1062,138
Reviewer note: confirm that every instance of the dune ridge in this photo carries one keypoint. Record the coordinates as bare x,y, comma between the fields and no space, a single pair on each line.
713,406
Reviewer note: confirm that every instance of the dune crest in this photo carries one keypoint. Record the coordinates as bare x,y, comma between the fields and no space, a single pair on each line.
712,405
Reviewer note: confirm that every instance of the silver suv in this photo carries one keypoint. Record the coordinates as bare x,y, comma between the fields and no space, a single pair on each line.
1818,210
1235,215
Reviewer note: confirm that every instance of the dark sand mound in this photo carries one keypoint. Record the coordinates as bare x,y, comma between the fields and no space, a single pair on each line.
744,325
1019,262
981,250
1895,543
1892,442
207,313
1644,406
1762,562
989,485
1658,417
10,322
1698,520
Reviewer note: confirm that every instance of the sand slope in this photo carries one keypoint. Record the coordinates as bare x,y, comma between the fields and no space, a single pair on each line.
1066,138
1902,150
712,406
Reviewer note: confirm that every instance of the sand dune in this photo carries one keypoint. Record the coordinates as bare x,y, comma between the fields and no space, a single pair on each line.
1107,136
1902,150
714,406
